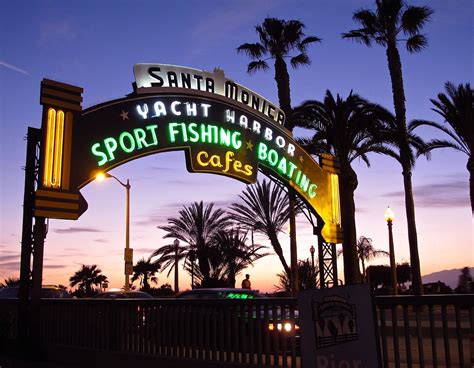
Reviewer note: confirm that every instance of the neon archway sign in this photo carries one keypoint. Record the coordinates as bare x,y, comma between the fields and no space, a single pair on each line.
222,127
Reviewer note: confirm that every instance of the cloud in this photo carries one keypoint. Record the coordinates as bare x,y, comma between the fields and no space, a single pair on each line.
161,168
451,193
11,266
9,258
54,266
100,240
13,67
73,229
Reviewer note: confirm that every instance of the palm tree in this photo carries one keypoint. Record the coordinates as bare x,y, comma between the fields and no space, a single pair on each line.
232,250
196,227
348,129
280,40
265,210
307,277
457,109
145,270
86,277
391,23
10,281
366,252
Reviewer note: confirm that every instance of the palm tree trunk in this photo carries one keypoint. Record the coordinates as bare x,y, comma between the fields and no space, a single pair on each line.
470,168
396,76
282,79
277,247
348,184
412,237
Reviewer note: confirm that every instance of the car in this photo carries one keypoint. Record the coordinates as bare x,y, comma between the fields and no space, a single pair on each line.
47,292
220,293
122,294
281,324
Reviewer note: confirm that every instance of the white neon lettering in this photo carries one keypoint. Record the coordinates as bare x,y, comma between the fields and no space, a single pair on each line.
173,108
160,109
230,116
205,109
143,112
191,109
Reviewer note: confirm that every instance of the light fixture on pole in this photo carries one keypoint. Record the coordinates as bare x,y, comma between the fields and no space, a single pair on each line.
128,252
312,250
389,216
176,259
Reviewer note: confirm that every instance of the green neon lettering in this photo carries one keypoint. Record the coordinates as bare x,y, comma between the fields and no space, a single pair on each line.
152,129
236,142
312,190
282,166
262,151
122,142
298,174
172,131
304,182
224,137
110,146
292,169
272,157
140,135
193,134
96,152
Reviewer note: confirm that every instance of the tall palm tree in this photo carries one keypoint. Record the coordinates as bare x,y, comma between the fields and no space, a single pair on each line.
392,22
265,210
348,129
232,250
279,40
196,227
86,278
456,107
145,270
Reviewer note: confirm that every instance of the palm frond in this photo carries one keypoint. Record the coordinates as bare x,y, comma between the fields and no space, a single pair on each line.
301,59
416,43
257,65
252,50
414,18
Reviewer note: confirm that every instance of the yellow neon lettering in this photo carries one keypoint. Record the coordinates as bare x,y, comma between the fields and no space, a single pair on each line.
49,151
199,160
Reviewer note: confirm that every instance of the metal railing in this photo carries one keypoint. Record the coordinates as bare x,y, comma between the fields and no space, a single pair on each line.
426,331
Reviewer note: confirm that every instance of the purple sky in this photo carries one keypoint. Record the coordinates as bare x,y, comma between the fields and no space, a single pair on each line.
95,45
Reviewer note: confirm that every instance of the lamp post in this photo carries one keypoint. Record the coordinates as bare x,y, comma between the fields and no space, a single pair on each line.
128,252
389,216
176,259
311,250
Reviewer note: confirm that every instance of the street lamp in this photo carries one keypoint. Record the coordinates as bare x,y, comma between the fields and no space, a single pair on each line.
311,250
389,216
128,252
176,259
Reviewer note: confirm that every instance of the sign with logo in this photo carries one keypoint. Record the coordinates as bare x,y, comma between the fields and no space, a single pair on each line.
337,328
222,127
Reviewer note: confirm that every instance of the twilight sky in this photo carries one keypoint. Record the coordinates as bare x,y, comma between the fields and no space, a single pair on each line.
95,45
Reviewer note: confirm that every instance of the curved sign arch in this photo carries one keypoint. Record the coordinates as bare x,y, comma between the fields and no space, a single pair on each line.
222,127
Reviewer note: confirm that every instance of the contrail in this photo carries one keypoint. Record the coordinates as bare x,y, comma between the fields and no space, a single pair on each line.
12,67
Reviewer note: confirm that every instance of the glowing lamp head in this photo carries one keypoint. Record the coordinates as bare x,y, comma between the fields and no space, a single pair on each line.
389,215
101,176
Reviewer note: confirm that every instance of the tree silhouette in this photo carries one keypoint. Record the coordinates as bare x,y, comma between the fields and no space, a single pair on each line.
279,40
86,278
145,270
393,22
348,129
456,107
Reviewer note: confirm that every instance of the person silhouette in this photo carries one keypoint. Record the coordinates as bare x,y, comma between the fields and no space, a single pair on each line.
246,282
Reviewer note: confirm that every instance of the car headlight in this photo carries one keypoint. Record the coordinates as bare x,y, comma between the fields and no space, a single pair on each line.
271,326
288,327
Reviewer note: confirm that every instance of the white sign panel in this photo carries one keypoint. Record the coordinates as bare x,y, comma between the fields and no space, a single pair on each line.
337,328
151,78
